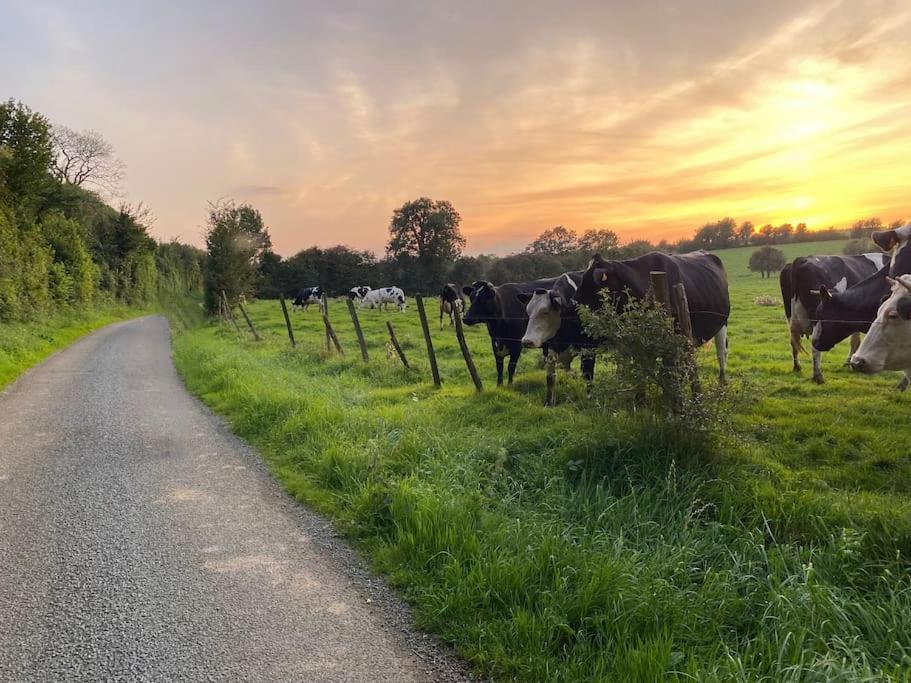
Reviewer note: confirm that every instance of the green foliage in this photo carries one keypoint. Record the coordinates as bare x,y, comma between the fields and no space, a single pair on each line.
860,245
424,240
767,260
27,156
573,544
556,241
236,239
72,262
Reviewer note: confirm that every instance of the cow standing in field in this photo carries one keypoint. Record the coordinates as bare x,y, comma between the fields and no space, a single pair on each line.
841,314
358,293
307,296
500,309
452,303
382,297
888,344
801,283
702,274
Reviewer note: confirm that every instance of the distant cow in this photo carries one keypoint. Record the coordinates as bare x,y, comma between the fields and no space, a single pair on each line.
382,297
358,293
702,274
801,283
888,344
500,309
307,296
452,303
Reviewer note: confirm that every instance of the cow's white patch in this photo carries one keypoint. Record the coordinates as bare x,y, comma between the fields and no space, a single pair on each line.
841,285
800,318
543,321
877,259
570,281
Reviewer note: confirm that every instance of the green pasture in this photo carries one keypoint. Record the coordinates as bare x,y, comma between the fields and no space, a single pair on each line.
586,542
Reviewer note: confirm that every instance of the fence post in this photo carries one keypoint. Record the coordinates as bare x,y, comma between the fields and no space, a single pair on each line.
434,370
229,312
281,298
396,345
324,304
330,334
659,288
550,365
472,370
249,322
682,308
358,331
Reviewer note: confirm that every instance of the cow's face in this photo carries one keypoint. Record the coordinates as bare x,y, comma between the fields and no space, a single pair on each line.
545,313
834,321
898,242
601,275
887,345
483,304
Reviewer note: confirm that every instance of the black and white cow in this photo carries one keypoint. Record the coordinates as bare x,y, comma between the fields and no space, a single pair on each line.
801,283
382,297
500,309
452,303
307,296
702,274
888,344
358,293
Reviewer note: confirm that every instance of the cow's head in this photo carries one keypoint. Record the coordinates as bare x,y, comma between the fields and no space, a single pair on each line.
833,320
484,303
546,309
602,274
887,345
898,242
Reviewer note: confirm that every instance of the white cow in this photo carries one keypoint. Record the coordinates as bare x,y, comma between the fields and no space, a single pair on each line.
887,345
358,292
382,297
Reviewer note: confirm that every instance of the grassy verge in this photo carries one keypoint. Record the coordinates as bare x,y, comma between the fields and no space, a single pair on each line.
577,544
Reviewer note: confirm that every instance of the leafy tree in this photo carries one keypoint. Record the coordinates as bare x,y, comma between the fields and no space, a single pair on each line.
767,260
76,276
599,241
719,235
745,232
555,241
425,233
864,227
236,239
26,155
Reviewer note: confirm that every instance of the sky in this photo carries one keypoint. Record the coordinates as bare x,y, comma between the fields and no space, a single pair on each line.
650,118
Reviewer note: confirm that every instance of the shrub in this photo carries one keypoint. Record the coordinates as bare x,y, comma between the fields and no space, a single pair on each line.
767,260
861,245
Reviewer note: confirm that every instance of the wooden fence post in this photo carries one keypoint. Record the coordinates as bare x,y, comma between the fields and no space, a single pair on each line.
358,331
229,312
324,305
330,334
682,308
249,322
550,365
281,298
466,354
659,288
434,370
396,345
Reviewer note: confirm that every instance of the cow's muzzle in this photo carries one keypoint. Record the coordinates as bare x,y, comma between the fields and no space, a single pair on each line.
860,365
529,344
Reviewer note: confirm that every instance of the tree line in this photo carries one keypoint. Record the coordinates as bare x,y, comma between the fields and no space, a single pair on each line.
425,245
61,243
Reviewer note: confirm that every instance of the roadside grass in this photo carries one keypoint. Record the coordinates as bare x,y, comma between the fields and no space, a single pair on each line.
586,543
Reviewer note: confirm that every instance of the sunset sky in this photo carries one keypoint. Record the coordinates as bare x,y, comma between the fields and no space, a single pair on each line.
650,118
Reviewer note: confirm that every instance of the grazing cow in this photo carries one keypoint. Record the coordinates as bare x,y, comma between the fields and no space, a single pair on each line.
452,303
500,309
307,296
801,283
382,297
358,292
702,274
888,344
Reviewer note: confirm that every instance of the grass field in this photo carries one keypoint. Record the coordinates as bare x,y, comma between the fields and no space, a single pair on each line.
576,543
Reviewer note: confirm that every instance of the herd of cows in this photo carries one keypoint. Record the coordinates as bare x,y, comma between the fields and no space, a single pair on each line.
826,298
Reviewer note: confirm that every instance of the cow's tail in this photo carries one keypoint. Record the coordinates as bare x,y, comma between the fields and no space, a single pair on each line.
787,290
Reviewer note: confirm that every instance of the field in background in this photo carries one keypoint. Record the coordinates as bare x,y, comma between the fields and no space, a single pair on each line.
573,544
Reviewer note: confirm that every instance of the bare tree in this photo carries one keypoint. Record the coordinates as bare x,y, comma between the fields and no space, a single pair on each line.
86,158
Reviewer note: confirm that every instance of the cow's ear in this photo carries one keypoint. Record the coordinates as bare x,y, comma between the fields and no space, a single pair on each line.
556,300
524,297
885,239
600,275
467,291
892,282
825,293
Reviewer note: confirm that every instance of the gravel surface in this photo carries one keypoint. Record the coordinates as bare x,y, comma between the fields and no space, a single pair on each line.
141,540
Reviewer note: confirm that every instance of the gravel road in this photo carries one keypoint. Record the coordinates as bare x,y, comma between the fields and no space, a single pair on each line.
141,540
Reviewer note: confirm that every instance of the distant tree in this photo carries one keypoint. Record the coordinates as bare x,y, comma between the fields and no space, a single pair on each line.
745,232
800,233
26,154
524,267
86,158
635,248
555,241
236,239
718,235
767,260
864,227
425,233
598,241
783,233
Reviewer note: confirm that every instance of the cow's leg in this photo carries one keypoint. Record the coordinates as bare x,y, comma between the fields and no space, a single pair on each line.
721,352
441,315
498,358
901,386
817,367
588,369
514,354
795,348
855,344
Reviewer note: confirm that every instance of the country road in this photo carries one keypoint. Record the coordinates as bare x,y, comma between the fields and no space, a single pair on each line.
140,540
